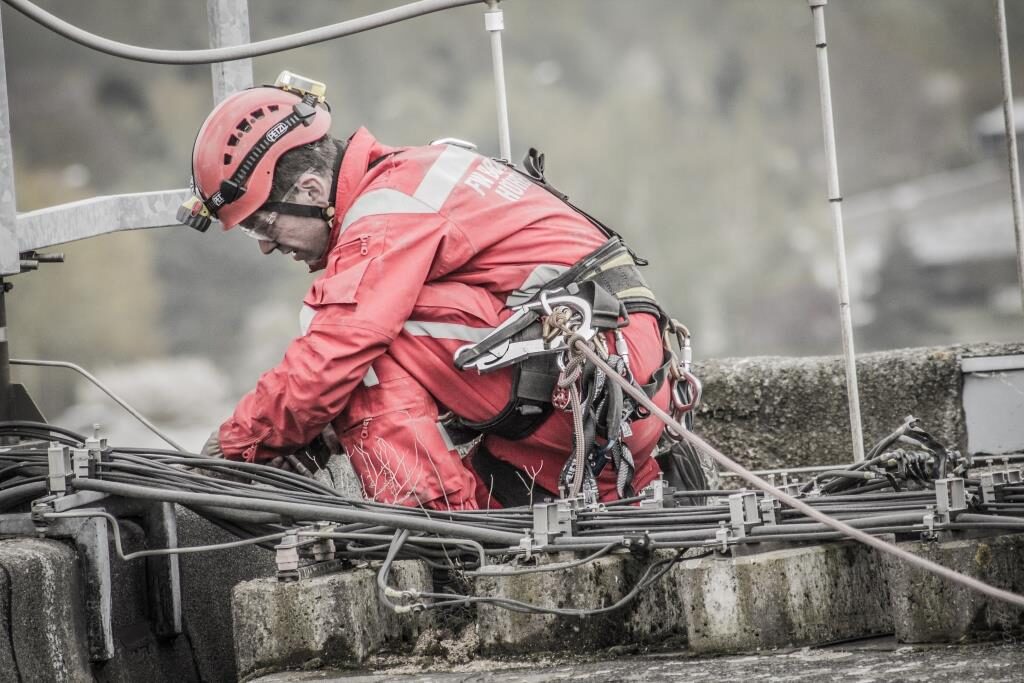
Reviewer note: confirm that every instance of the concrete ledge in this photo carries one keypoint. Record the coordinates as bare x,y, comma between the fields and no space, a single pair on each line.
597,584
8,671
791,597
928,609
786,412
331,619
45,619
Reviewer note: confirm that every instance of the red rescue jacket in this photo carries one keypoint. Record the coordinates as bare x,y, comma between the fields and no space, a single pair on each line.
423,215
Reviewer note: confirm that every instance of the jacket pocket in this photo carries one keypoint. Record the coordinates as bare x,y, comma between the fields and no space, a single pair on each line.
349,261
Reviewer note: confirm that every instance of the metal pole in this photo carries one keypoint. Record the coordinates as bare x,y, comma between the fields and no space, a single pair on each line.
10,262
229,25
835,202
1011,140
494,22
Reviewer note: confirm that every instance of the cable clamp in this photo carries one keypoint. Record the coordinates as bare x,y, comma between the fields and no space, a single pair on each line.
58,459
494,19
743,513
658,494
723,538
771,509
553,520
950,497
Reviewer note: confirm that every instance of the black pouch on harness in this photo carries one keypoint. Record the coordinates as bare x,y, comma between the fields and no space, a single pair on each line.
529,405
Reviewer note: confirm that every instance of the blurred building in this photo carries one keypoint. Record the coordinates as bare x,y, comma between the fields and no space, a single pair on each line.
936,256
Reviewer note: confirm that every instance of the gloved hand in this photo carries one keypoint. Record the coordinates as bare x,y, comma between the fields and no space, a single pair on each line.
211,448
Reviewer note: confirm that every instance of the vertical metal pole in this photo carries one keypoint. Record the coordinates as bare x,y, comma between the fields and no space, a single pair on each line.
1011,140
229,25
835,202
494,22
10,262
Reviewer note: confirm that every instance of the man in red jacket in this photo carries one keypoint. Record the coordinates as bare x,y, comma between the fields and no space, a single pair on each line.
421,251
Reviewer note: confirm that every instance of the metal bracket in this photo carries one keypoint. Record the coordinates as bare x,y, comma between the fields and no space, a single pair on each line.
743,513
658,494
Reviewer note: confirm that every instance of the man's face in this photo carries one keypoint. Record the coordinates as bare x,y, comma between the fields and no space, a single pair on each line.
304,239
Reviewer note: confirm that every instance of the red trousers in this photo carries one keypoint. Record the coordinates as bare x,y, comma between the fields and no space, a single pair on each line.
390,426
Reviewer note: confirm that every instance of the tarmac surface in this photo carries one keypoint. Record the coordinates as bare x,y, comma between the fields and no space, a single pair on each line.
863,661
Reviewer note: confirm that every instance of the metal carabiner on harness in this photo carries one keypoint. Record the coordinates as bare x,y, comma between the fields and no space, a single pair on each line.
497,350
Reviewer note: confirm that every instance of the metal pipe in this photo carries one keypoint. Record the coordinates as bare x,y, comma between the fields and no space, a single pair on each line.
1011,140
117,399
835,203
227,54
494,22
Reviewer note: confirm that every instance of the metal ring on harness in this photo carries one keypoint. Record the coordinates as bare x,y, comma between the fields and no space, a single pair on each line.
679,404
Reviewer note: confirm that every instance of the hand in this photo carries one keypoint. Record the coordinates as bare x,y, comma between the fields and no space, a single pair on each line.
211,448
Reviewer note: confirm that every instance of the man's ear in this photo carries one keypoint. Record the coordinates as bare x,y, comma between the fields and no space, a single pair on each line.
316,187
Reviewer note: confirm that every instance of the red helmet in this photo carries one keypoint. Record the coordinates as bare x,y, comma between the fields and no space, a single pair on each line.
240,142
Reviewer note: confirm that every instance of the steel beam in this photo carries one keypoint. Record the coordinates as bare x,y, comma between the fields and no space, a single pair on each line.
98,216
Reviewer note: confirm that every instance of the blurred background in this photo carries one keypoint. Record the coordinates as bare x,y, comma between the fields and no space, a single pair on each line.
691,127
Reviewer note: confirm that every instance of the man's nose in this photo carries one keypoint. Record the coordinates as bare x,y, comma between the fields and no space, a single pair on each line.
267,246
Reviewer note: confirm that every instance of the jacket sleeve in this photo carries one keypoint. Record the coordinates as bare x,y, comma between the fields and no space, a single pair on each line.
358,307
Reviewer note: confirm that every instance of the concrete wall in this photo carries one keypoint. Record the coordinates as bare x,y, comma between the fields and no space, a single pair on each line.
770,412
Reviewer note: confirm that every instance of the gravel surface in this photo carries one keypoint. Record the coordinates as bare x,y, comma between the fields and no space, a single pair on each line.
876,660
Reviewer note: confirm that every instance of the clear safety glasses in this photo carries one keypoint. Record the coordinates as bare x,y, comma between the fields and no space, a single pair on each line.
260,224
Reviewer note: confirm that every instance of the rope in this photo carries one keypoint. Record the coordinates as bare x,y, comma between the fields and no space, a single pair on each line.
228,54
745,474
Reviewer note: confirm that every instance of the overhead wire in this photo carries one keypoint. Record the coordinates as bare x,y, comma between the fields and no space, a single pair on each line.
231,53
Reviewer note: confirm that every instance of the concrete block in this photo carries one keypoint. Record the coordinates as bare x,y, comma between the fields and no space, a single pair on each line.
331,619
140,653
8,671
658,613
791,597
339,475
45,613
596,584
928,609
787,412
206,583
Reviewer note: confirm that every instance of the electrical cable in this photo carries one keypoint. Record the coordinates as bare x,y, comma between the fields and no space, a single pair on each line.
160,551
102,387
746,475
235,52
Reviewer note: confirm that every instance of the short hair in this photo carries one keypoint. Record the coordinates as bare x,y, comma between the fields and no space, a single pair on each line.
316,157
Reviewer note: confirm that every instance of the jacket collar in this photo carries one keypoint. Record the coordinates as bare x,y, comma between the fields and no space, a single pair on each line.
362,149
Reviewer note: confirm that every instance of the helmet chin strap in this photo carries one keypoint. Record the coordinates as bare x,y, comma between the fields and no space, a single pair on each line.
324,213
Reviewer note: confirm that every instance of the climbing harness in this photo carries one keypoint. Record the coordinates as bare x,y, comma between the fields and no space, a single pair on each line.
590,302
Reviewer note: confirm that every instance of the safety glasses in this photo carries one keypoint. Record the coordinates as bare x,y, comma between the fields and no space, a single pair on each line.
260,224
